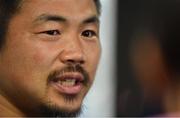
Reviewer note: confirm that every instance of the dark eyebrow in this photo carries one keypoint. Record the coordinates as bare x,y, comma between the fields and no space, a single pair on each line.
48,17
57,18
93,19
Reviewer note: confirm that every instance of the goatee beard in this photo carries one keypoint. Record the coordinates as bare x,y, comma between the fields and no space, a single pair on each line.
52,110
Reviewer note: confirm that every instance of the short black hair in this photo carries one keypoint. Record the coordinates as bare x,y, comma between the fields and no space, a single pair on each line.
98,6
8,8
162,19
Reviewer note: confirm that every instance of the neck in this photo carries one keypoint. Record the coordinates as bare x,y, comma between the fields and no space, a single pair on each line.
7,109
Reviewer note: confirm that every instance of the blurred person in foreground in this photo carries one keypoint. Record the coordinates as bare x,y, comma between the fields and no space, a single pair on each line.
49,54
155,55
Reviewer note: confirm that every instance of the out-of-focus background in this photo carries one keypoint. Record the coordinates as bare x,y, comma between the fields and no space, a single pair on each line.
148,54
139,68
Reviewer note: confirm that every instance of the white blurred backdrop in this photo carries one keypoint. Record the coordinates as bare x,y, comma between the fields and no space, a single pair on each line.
100,100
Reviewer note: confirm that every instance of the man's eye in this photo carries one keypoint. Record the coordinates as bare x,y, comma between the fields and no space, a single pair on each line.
88,33
51,32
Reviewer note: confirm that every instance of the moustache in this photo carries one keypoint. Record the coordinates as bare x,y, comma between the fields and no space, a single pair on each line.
70,69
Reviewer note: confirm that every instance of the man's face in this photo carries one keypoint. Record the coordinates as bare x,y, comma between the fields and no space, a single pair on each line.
50,55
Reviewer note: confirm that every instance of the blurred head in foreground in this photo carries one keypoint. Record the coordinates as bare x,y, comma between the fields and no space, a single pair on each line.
155,55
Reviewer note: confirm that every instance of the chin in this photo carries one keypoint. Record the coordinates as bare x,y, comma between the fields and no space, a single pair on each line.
70,103
62,105
66,109
56,111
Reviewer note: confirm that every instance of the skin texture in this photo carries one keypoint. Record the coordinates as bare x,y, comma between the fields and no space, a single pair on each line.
31,54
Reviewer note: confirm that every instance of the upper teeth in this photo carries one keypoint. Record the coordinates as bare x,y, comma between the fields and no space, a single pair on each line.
67,82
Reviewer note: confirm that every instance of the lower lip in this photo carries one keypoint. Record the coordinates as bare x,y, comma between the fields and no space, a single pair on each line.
72,90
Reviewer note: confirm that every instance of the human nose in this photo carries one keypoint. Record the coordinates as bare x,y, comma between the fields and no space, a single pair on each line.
73,53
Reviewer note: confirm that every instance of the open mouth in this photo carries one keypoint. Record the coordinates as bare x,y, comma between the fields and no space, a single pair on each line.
68,83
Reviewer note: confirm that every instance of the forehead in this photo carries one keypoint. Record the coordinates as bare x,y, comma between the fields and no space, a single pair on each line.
82,8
